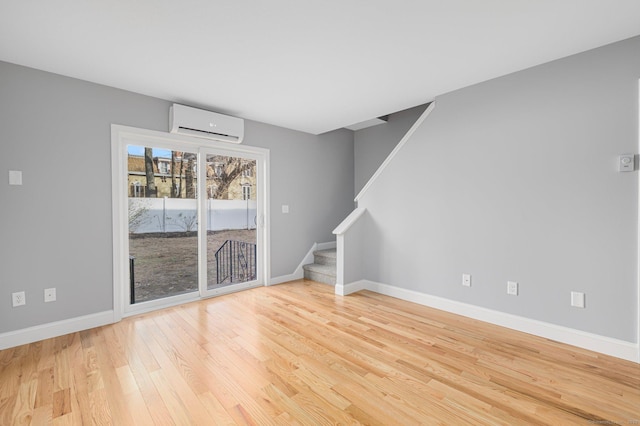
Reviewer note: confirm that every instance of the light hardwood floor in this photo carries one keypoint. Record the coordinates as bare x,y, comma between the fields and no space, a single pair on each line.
297,354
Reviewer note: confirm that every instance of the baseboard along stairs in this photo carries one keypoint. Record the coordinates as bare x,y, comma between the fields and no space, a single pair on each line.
323,268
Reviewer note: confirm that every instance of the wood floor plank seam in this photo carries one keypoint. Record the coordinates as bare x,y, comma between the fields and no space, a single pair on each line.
297,353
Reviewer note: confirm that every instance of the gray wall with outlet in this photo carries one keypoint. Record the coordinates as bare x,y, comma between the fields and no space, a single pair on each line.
56,131
517,179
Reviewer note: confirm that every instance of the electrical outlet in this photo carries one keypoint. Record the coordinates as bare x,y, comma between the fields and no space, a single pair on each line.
50,294
15,177
512,288
466,280
18,298
626,163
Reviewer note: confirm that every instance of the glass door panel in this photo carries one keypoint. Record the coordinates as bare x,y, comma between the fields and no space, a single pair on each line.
231,207
163,223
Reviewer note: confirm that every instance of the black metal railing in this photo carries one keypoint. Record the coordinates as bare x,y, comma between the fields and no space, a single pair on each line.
235,262
132,280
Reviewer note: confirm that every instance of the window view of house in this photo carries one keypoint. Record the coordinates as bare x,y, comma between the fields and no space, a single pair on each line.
163,246
163,221
231,220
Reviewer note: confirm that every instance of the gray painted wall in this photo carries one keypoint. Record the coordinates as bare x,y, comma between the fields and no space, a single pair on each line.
373,144
57,131
516,179
313,175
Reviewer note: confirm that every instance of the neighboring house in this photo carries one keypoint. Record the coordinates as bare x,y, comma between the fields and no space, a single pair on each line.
237,177
231,179
162,174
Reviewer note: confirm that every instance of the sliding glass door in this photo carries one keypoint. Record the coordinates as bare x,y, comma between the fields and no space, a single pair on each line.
189,221
163,211
230,215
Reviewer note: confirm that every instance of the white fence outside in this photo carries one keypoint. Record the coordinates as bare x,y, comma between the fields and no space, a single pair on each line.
179,215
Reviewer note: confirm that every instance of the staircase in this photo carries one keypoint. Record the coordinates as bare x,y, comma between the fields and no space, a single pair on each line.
323,269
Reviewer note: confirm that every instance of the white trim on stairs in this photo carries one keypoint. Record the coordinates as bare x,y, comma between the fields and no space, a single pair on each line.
349,221
594,342
298,274
398,147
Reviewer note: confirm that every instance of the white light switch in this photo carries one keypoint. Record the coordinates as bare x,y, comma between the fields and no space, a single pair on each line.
285,208
577,299
15,177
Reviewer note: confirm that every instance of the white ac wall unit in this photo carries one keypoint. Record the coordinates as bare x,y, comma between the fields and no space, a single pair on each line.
189,121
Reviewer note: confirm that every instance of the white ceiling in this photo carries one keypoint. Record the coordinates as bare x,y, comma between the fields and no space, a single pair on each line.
308,65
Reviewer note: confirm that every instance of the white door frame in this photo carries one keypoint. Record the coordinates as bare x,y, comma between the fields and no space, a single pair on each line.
121,136
638,244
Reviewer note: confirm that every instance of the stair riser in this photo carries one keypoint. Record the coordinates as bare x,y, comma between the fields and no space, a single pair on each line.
324,260
321,278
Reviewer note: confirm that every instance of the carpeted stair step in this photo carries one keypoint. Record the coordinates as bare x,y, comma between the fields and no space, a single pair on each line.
321,273
325,257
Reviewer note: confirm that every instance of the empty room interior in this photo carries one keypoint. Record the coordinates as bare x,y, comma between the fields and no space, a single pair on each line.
313,213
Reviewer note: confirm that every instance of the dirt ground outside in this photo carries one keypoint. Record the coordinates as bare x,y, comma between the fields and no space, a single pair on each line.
167,264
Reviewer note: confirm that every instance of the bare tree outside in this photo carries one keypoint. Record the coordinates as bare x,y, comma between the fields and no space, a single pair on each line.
137,215
180,174
148,167
174,162
190,189
173,174
223,171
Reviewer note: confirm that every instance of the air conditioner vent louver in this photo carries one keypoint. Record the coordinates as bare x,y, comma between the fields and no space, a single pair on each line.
205,124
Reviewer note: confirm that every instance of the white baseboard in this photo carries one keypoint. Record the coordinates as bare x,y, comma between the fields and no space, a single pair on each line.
594,342
298,274
346,289
54,329
285,278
